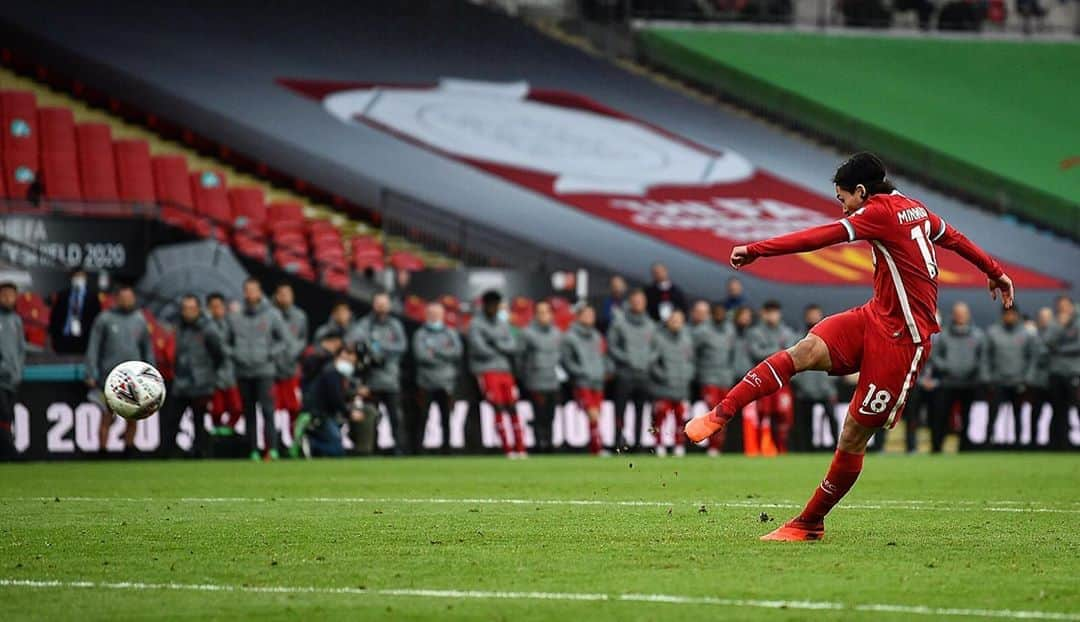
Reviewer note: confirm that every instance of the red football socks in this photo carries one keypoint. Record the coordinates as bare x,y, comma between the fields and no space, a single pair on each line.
519,433
595,444
843,472
769,375
500,426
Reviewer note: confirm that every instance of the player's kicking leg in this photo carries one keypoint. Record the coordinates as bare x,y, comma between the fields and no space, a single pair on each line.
765,379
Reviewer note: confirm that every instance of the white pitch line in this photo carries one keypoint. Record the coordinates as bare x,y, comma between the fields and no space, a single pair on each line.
887,505
669,599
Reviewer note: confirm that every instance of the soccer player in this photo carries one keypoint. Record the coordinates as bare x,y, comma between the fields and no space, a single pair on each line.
887,340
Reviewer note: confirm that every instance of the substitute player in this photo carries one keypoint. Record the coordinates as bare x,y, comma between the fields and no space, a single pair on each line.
887,340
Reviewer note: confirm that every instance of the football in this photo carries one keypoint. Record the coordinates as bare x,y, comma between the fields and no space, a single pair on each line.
134,390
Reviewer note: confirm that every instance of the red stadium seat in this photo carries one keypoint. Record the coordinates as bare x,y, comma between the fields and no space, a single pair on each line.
296,264
60,175
404,260
414,307
336,277
97,163
212,201
20,170
286,211
134,172
521,311
56,130
173,190
248,208
250,246
18,115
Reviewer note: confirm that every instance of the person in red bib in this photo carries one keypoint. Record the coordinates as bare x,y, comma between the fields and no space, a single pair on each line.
886,340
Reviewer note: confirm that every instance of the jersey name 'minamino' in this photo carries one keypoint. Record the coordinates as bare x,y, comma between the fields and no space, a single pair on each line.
911,214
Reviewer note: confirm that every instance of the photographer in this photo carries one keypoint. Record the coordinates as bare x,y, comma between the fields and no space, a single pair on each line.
382,336
330,399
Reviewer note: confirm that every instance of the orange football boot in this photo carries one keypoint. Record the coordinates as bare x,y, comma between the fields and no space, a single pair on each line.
796,531
703,426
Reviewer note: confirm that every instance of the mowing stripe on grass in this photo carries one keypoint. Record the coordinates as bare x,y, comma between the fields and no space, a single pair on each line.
918,506
669,599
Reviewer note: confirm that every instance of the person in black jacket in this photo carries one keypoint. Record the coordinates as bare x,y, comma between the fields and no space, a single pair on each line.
73,312
663,296
329,399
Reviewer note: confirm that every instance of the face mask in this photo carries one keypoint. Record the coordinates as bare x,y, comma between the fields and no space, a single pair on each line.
345,368
503,315
435,325
78,282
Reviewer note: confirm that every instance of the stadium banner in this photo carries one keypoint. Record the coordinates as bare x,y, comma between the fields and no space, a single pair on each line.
44,242
602,161
469,284
57,421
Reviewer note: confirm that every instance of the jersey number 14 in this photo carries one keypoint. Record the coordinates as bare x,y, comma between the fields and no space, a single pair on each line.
921,235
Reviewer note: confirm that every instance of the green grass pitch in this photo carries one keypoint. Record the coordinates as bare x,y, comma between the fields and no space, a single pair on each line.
625,538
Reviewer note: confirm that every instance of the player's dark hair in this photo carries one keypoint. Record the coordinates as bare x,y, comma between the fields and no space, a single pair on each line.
771,305
119,287
190,296
282,284
212,296
9,285
491,297
339,304
813,306
865,169
252,279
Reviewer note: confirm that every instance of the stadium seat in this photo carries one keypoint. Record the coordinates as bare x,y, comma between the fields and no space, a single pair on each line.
336,277
404,260
97,163
286,211
521,311
18,113
414,308
134,172
20,170
60,175
248,208
56,130
212,201
173,190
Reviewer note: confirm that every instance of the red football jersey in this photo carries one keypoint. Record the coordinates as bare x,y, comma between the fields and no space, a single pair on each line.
902,234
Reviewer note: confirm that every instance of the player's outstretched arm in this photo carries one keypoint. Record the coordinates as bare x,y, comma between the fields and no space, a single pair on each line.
798,242
999,283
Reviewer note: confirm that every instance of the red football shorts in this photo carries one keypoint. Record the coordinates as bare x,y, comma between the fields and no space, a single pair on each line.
589,399
498,388
887,365
711,394
287,394
227,401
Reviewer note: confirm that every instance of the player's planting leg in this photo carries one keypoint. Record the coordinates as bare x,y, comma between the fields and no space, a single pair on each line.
500,427
519,434
845,468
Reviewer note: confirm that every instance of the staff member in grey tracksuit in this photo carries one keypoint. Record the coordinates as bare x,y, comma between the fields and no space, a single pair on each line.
437,350
492,344
714,349
811,389
258,337
630,345
957,359
541,341
1063,347
772,334
1011,354
671,371
12,358
199,354
582,357
287,363
119,334
1038,380
384,337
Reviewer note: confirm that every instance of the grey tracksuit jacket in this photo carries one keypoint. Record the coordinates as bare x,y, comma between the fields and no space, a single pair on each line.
1063,347
491,345
630,343
583,358
285,364
258,336
1010,355
541,357
438,355
714,351
386,341
226,372
12,349
741,361
199,353
957,355
115,337
764,340
672,366
815,386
